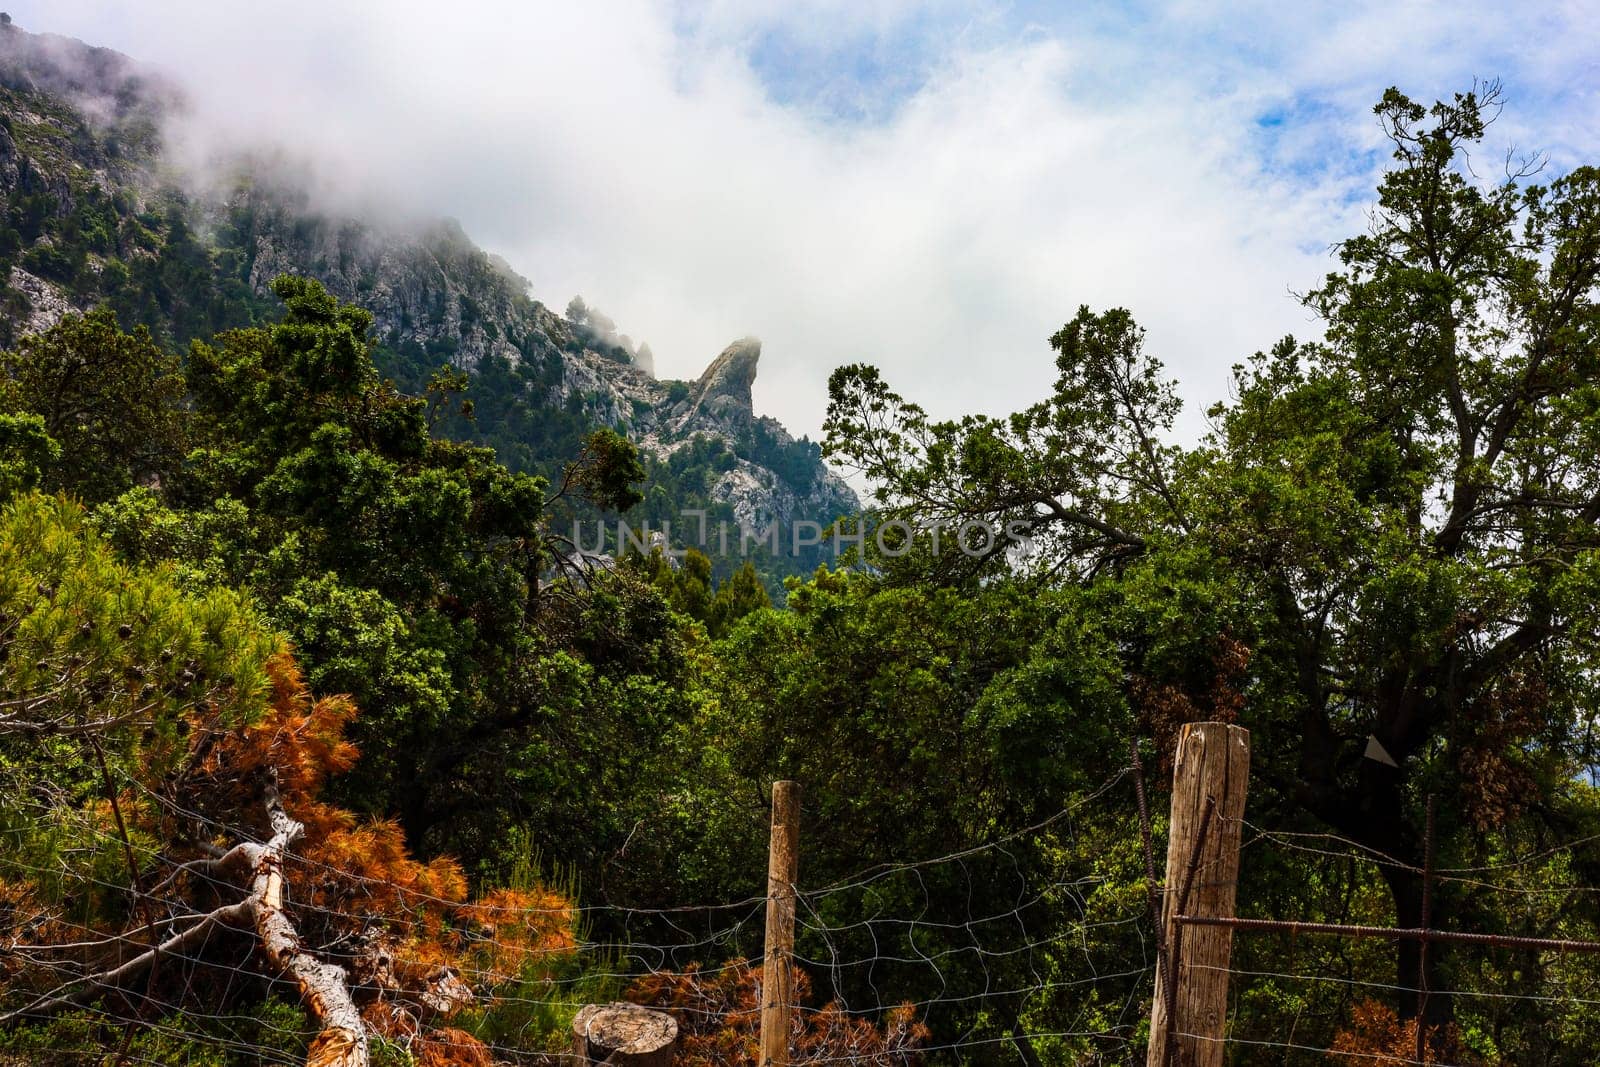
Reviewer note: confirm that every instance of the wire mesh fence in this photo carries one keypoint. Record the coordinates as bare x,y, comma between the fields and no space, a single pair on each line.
1034,945
1036,938
1515,975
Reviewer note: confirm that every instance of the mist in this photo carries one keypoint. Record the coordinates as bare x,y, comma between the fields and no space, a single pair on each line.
936,194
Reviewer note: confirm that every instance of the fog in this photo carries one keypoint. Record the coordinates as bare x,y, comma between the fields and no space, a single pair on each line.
932,189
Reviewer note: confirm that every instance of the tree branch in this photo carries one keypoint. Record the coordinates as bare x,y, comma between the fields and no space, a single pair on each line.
232,916
1080,518
342,1042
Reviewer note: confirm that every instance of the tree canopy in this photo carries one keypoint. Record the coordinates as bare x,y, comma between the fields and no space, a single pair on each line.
1397,523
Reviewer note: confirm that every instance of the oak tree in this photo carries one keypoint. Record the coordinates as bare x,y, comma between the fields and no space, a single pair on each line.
1398,523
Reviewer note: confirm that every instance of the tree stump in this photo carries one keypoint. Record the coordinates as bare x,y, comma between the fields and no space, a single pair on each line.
624,1034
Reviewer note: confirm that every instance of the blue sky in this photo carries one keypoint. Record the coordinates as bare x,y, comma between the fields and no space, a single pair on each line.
866,72
933,187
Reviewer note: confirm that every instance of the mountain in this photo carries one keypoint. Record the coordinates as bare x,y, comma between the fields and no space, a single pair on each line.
95,212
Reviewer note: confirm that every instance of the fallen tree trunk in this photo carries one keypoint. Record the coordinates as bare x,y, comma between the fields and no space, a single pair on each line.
342,1041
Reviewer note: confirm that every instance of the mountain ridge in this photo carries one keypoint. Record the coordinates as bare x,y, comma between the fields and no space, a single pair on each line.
97,213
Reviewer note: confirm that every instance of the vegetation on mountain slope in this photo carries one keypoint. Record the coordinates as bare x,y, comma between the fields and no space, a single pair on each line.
95,216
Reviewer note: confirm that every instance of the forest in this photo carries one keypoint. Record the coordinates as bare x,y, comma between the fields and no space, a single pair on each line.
317,747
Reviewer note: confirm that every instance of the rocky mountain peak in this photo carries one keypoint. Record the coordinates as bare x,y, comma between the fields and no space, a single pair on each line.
723,391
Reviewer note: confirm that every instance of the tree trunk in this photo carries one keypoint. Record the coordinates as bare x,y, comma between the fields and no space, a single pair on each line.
1380,824
624,1034
1405,889
342,1041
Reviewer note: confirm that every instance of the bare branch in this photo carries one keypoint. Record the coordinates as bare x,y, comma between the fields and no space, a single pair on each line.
342,1041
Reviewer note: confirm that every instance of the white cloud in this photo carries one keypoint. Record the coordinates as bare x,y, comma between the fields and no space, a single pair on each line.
632,152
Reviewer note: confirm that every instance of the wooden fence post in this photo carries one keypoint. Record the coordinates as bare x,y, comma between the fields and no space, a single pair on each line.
1211,772
777,980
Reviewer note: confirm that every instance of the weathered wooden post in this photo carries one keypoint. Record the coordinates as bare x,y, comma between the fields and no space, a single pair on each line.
1210,774
777,978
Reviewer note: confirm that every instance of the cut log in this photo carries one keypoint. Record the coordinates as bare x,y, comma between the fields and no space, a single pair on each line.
624,1034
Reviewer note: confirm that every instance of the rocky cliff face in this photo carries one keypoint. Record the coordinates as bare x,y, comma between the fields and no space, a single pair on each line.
432,288
81,171
438,293
104,83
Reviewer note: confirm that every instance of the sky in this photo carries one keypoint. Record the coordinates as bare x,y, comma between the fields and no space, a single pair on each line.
932,188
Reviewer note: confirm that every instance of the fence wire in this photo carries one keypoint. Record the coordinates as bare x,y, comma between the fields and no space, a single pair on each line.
1035,939
1034,946
1299,997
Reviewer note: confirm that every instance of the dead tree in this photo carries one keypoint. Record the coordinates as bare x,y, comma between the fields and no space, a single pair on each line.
258,868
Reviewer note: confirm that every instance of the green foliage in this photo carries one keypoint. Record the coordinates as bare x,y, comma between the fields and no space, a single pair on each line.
924,721
272,1032
797,463
690,589
608,471
98,654
534,1011
109,399
1073,476
26,451
1391,534
979,708
401,563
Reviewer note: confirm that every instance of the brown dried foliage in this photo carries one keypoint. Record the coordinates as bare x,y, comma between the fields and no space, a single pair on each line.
1499,784
1377,1035
1162,708
719,1021
428,950
450,1048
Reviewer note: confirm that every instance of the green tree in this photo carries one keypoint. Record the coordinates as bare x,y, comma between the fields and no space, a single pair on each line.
110,399
738,595
1399,522
691,590
924,722
101,659
406,569
26,451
